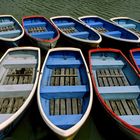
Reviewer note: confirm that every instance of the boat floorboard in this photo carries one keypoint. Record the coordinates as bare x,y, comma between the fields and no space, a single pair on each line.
116,77
63,106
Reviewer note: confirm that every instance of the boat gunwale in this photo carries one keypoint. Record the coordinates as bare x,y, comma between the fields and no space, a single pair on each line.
100,98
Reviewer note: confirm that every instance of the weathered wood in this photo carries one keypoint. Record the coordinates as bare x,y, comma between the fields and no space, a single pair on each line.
132,107
52,81
100,81
113,78
15,107
104,78
114,107
136,106
126,107
57,106
10,105
74,106
79,105
63,107
62,79
57,79
120,107
4,105
68,106
67,78
77,79
52,105
108,103
7,78
109,78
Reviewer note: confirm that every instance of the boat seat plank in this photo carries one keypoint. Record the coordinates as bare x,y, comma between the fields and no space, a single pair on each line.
62,62
107,64
129,26
114,33
64,91
95,24
10,34
83,35
34,24
132,119
119,92
66,24
20,63
7,23
43,35
9,90
65,121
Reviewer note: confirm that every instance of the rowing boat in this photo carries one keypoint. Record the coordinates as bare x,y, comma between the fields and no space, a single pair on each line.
19,73
40,31
117,88
76,32
65,91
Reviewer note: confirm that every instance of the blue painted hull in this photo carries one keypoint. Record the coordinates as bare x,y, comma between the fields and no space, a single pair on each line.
110,30
116,85
64,93
76,32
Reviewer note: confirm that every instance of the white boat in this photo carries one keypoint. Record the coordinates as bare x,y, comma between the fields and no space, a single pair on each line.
19,73
65,91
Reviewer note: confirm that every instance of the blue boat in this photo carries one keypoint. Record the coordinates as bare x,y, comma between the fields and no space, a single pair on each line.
117,87
11,30
128,23
109,30
135,58
65,92
75,31
40,31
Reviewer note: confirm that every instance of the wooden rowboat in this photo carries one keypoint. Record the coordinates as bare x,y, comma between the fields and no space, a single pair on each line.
128,23
135,58
117,87
65,91
11,30
76,32
110,31
40,31
19,73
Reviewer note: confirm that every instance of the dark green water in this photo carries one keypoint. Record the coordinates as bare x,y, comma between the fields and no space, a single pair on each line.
31,126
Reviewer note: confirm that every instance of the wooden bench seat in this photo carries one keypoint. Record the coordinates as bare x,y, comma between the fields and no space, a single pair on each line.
83,35
114,33
63,91
43,35
119,92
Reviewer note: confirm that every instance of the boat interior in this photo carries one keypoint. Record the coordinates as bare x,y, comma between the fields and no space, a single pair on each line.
118,84
129,24
107,28
16,80
9,28
39,27
75,29
64,90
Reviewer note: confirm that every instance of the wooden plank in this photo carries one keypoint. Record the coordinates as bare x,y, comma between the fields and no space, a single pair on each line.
77,79
20,102
63,107
62,82
68,106
113,78
57,79
10,105
1,102
15,107
114,107
4,105
7,77
135,103
52,107
125,81
52,81
100,80
72,77
119,78
57,107
126,107
20,81
108,103
132,107
110,82
79,105
67,79
74,106
104,78
120,107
